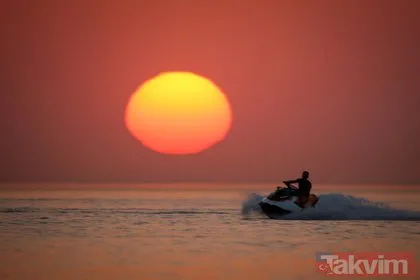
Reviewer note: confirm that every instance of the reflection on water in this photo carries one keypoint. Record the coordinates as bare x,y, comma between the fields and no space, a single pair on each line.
137,234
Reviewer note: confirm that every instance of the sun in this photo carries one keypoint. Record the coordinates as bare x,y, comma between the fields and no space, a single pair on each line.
178,113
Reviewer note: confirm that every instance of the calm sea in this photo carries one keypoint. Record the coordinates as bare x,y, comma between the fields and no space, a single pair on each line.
104,232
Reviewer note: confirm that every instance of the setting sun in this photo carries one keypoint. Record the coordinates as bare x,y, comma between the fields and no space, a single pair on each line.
178,113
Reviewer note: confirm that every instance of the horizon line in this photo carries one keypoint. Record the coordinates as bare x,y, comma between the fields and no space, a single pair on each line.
190,185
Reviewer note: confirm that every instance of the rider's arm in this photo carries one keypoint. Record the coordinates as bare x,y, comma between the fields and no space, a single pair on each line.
290,182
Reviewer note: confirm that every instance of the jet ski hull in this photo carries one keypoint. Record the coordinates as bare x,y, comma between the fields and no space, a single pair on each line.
273,211
274,208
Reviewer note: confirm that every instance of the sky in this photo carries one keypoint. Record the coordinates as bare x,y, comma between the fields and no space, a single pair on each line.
327,86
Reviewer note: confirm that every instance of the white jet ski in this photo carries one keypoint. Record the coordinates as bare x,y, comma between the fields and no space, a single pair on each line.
284,201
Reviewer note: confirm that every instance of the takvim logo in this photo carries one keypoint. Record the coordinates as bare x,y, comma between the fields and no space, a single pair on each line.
365,264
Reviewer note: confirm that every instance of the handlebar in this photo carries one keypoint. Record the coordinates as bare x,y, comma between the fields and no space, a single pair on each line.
288,186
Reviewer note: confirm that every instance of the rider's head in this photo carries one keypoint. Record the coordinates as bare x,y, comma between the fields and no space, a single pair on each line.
305,174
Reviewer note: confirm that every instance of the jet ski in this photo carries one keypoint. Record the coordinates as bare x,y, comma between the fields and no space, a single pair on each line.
285,200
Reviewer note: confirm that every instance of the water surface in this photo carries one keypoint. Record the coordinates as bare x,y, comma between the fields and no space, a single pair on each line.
181,233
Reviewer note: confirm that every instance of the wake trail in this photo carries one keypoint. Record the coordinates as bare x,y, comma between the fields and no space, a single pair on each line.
338,206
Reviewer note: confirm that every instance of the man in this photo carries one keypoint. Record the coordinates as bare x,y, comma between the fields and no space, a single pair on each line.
304,188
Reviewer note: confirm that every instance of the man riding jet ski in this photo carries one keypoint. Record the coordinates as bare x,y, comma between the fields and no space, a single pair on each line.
290,199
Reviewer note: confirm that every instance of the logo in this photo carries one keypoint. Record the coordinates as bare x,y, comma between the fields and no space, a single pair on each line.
365,264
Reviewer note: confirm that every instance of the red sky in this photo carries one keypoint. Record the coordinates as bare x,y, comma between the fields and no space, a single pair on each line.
328,86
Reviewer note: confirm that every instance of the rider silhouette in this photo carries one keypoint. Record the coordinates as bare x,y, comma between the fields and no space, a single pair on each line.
304,187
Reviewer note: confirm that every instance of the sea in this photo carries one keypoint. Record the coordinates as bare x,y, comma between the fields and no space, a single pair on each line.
196,231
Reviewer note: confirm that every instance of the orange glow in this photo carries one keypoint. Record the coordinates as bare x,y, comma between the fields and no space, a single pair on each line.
178,113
